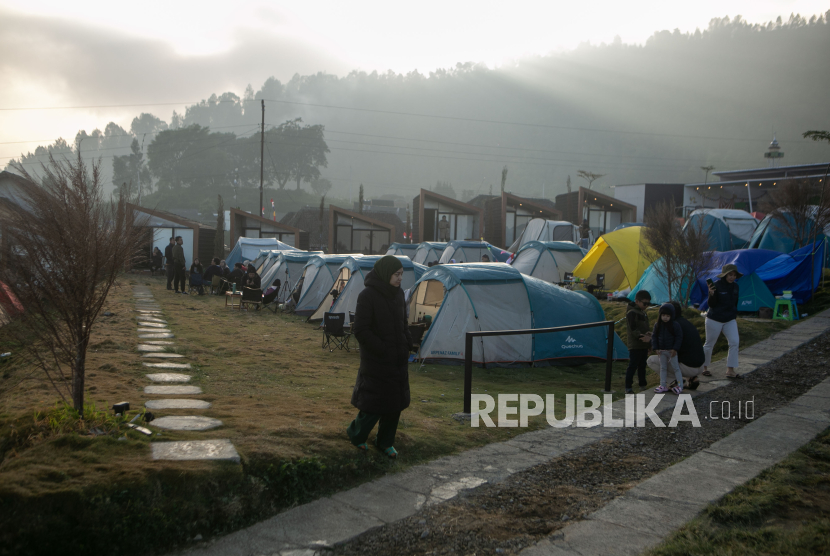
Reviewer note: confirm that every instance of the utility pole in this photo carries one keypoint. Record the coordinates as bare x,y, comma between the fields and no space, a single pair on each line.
138,169
261,159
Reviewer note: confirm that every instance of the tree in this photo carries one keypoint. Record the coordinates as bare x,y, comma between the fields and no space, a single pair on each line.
799,205
408,229
678,256
817,135
131,169
360,200
219,239
590,177
568,184
73,246
321,186
322,215
192,157
503,177
147,123
309,153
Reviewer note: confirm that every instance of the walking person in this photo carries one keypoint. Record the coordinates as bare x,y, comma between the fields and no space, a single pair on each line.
639,340
722,318
666,339
168,262
180,265
381,390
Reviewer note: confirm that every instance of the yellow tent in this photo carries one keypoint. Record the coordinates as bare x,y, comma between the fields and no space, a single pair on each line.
619,255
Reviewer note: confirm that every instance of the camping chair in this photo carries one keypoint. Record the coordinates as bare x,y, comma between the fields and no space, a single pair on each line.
251,296
215,284
334,337
195,282
270,301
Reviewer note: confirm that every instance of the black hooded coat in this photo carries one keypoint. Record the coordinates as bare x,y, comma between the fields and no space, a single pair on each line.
382,384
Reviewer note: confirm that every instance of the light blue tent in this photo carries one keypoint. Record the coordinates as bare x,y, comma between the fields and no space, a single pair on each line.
349,284
471,252
429,252
318,277
727,229
792,271
405,249
774,235
287,268
548,260
248,248
496,296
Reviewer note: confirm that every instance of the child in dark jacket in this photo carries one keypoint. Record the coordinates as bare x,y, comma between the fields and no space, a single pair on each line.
666,339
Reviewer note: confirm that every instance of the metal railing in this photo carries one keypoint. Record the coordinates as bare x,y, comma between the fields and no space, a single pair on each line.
468,351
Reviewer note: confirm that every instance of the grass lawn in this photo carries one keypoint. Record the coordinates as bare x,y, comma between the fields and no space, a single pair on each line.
783,511
284,403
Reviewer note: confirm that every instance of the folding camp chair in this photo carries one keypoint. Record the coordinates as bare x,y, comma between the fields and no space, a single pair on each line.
270,301
215,284
251,296
334,336
195,282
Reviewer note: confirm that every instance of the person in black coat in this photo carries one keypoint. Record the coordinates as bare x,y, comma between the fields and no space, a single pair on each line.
666,340
381,390
722,318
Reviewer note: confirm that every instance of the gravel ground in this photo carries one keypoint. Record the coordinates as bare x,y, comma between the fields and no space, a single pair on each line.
506,517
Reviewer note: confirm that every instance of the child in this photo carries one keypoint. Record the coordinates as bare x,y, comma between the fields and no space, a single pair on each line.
666,339
639,339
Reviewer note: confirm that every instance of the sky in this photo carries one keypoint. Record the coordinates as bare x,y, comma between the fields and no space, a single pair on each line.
67,66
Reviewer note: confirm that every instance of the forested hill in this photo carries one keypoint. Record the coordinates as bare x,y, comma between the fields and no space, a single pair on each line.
648,113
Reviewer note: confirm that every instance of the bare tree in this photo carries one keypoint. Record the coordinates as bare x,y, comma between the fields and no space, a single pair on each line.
590,177
219,240
678,256
71,246
797,206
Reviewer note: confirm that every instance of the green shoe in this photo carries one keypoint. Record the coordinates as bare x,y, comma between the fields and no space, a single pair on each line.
391,452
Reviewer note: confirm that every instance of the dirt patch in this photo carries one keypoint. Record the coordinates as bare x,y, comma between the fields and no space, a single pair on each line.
506,517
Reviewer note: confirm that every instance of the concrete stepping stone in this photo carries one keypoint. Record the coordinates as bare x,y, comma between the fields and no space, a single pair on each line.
145,347
166,365
169,377
182,403
147,324
195,450
143,318
165,355
153,330
172,390
148,312
158,343
155,336
186,423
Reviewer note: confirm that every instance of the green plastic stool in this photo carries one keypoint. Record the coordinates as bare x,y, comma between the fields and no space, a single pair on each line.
790,308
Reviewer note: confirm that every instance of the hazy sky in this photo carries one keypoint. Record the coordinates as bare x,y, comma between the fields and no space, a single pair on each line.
93,53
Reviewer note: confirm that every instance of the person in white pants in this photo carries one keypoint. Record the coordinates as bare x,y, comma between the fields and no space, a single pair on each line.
722,318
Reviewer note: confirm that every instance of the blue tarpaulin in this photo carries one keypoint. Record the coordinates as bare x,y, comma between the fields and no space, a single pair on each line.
747,261
792,272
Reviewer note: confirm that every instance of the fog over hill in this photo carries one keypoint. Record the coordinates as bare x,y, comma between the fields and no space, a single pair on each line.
650,113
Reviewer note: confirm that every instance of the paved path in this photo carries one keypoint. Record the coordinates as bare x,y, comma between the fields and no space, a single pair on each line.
629,524
151,327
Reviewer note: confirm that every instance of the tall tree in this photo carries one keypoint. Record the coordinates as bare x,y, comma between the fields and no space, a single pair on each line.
590,177
74,245
309,154
131,169
147,123
191,157
503,177
360,200
444,188
321,186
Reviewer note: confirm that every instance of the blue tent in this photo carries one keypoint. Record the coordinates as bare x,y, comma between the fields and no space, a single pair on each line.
406,249
318,277
495,296
287,266
248,248
772,234
429,251
349,284
548,260
727,229
471,252
792,272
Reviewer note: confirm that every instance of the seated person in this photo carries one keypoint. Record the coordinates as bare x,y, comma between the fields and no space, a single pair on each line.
235,277
485,258
271,293
213,270
226,270
196,276
251,279
298,290
690,355
156,262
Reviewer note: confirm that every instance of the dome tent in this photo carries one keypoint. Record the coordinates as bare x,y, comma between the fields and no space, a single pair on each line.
405,249
753,293
727,229
349,283
471,252
772,234
248,248
495,296
619,255
428,252
318,278
287,267
548,260
539,229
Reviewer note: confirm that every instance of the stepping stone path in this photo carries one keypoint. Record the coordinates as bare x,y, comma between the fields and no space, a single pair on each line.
154,333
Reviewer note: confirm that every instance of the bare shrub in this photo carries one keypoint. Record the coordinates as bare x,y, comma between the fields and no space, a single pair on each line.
797,205
69,247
